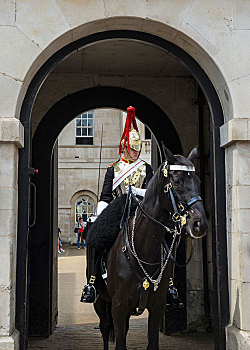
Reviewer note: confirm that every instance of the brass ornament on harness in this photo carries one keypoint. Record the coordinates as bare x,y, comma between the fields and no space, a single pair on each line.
145,284
183,220
181,206
164,169
176,217
167,187
92,279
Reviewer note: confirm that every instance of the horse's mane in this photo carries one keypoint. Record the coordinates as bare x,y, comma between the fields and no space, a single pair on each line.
154,183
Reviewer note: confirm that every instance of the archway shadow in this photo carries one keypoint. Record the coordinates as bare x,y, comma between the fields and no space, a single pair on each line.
42,236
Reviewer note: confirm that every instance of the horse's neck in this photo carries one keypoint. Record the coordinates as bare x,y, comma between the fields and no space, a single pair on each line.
154,209
149,235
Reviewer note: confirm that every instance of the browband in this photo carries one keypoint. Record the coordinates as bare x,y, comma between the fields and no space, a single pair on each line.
182,167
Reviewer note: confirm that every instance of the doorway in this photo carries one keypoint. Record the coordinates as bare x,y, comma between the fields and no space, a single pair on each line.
46,133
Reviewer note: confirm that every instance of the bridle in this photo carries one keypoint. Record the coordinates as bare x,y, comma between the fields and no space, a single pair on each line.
180,209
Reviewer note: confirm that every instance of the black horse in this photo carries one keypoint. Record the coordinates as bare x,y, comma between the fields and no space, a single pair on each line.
138,266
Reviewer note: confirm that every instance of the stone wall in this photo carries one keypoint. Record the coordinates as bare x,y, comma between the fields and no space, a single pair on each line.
11,138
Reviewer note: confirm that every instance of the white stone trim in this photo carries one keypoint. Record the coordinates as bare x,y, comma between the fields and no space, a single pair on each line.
234,130
11,130
237,339
11,342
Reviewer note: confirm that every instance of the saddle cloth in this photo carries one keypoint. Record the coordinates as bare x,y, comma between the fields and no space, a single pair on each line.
104,231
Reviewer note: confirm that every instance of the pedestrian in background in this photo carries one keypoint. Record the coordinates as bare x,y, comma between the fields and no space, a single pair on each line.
59,248
81,227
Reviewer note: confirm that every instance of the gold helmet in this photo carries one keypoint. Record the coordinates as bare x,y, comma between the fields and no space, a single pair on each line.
135,140
130,137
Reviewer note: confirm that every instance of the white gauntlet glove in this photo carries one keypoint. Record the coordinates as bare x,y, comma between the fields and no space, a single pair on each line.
140,191
100,207
92,218
137,191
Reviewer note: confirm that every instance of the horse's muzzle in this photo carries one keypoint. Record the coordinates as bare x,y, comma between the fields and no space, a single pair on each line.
197,225
198,230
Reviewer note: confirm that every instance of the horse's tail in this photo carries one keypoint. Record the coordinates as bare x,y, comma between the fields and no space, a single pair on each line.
110,321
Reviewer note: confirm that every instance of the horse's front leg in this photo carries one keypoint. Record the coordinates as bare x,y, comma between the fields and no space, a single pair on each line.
156,313
120,313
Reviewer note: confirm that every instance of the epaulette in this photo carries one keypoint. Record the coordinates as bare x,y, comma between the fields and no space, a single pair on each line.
113,163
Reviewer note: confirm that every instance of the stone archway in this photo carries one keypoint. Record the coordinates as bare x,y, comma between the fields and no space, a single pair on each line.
218,155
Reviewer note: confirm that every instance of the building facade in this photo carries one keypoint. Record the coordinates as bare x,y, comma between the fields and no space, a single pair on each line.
82,163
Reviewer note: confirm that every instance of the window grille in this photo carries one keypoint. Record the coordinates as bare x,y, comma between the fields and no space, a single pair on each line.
84,128
84,206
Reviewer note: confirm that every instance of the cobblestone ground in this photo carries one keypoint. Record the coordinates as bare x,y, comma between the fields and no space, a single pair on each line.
77,322
81,337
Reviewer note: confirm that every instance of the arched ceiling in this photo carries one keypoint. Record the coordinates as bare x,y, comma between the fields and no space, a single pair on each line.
123,57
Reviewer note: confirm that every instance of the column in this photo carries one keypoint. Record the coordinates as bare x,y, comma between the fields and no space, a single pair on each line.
11,138
235,136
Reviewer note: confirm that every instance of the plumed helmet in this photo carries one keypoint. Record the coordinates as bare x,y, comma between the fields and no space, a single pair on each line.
134,140
130,137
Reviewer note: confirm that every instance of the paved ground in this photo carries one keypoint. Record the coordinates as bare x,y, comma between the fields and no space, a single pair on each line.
77,321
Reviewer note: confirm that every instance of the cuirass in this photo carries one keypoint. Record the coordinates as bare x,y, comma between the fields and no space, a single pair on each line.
135,179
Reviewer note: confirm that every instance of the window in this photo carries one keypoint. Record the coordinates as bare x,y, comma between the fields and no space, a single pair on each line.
84,128
84,206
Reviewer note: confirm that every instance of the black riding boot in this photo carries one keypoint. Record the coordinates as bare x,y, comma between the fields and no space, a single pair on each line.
172,296
89,292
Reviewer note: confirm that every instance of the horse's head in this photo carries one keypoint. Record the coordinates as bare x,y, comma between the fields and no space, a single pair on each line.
179,174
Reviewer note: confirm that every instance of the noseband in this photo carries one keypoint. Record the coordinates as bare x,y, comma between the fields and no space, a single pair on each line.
180,208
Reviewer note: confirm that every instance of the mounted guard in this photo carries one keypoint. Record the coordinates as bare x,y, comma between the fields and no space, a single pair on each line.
140,261
129,170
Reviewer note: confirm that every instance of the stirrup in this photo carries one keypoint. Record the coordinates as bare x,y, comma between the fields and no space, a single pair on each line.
89,294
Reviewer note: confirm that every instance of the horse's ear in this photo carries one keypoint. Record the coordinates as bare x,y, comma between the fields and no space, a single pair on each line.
168,155
193,154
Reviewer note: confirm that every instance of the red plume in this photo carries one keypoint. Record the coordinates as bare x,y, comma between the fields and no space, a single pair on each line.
130,120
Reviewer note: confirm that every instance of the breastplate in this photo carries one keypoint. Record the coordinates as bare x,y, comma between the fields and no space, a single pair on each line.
135,179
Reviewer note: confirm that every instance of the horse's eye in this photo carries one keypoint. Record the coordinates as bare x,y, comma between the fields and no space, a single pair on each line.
177,183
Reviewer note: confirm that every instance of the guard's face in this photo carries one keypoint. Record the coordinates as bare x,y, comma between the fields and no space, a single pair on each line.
134,154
